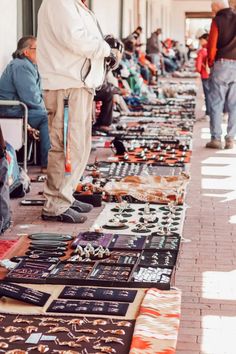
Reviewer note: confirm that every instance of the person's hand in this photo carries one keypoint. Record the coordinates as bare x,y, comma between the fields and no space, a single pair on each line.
34,133
114,43
116,52
111,61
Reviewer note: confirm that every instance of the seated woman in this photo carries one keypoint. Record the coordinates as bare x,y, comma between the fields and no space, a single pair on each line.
21,81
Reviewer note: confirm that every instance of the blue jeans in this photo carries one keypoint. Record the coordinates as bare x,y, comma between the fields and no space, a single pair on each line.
37,119
170,65
155,59
222,93
206,89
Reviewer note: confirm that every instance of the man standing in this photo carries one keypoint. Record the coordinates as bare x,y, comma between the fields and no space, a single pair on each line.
154,48
71,53
222,59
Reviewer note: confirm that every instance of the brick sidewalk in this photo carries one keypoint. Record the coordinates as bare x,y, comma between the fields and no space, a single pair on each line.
207,264
206,270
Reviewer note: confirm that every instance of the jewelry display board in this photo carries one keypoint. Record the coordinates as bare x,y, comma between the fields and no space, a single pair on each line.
132,243
86,293
28,271
156,145
139,219
105,274
20,293
80,307
162,158
123,169
82,335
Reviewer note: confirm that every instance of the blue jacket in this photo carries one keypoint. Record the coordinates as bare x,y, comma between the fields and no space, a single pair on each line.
21,81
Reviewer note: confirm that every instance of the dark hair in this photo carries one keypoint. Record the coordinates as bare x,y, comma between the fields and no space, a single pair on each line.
129,46
205,36
139,28
22,44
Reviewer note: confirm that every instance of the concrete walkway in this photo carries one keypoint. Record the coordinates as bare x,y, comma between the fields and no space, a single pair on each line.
206,270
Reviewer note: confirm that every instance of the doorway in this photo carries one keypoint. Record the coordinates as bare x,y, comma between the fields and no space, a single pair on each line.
194,21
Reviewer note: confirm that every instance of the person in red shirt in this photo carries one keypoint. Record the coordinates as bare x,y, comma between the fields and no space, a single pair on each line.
202,67
222,61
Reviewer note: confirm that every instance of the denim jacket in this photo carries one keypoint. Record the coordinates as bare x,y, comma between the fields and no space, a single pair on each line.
21,81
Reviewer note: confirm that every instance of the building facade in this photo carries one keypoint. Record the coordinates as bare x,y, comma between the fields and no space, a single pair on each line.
119,17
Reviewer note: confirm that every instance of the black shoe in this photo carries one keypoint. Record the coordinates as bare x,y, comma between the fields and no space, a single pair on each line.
81,207
70,216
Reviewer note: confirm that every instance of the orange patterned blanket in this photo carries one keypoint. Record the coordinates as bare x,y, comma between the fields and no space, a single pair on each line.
157,324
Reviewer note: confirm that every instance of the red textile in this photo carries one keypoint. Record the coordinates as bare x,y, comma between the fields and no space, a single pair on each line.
212,43
201,63
5,246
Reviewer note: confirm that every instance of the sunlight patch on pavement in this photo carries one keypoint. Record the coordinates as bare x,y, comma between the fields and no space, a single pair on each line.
220,286
232,220
227,183
218,335
220,174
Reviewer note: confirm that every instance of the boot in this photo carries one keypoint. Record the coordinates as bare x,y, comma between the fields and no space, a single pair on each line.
214,144
229,143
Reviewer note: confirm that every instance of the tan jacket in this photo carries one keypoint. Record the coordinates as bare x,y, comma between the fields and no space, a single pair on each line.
71,49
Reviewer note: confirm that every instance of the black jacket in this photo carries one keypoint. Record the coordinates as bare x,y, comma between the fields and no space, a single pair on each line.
226,23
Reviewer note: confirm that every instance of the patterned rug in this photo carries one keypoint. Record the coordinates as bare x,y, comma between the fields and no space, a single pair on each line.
5,246
157,324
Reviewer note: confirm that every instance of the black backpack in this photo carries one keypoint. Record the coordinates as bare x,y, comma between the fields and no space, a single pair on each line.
5,212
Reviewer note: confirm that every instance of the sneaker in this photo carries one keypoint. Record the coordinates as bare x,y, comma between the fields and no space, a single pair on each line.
70,216
214,144
229,143
81,207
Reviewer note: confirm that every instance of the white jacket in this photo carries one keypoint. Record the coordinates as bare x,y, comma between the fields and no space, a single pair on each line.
71,49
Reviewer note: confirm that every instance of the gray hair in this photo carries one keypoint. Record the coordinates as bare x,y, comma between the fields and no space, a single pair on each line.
23,43
222,3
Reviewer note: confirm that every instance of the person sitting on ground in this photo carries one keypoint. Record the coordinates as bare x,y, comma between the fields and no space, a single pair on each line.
21,81
180,52
169,56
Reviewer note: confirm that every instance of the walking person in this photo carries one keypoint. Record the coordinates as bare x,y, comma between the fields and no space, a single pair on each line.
222,60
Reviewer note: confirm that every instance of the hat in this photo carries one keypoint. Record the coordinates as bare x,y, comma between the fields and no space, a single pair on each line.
201,32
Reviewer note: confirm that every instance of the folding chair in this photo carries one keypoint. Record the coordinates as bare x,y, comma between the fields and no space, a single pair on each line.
14,129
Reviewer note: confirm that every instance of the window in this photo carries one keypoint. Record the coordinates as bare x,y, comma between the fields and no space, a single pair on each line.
27,17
